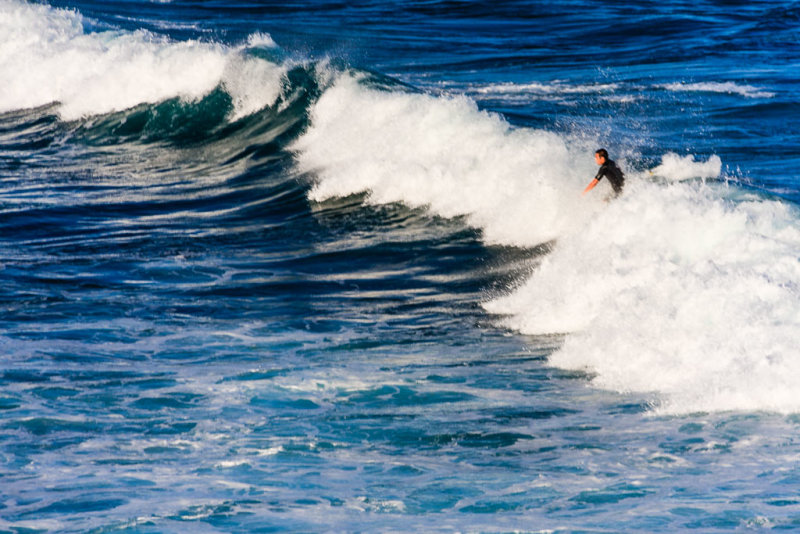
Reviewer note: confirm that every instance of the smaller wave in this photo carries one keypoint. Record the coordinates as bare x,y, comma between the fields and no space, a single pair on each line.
747,91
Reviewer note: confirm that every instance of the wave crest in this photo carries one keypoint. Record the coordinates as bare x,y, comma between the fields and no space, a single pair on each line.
517,185
47,55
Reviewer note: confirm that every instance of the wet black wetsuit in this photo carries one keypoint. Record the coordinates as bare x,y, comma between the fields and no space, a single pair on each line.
615,177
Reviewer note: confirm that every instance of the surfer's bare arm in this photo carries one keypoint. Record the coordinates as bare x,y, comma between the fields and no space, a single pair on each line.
590,186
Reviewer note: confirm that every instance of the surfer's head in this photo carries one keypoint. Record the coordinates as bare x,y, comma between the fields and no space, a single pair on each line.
601,156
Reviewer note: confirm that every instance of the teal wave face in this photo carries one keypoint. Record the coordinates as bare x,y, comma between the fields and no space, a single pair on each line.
209,120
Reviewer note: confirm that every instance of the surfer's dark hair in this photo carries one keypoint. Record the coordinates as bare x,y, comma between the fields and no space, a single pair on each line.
602,152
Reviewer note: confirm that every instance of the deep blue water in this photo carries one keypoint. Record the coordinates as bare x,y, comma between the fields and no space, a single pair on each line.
325,267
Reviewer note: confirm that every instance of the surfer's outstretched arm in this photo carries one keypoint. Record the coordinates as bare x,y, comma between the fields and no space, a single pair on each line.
590,186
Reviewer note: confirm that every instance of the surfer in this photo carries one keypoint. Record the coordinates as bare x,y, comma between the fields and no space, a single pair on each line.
608,169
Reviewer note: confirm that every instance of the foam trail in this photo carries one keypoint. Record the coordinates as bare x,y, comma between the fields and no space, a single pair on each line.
46,56
673,290
747,91
555,88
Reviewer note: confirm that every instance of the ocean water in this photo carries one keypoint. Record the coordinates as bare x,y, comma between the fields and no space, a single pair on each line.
326,267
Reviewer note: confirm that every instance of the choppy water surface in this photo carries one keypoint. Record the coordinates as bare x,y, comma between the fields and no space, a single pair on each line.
325,267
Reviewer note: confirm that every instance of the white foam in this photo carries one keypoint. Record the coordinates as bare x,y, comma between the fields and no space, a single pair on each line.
47,55
227,464
606,91
519,186
673,289
272,451
747,91
558,91
32,524
555,87
674,167
252,83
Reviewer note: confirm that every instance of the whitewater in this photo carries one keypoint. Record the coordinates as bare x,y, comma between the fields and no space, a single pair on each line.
299,282
685,290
